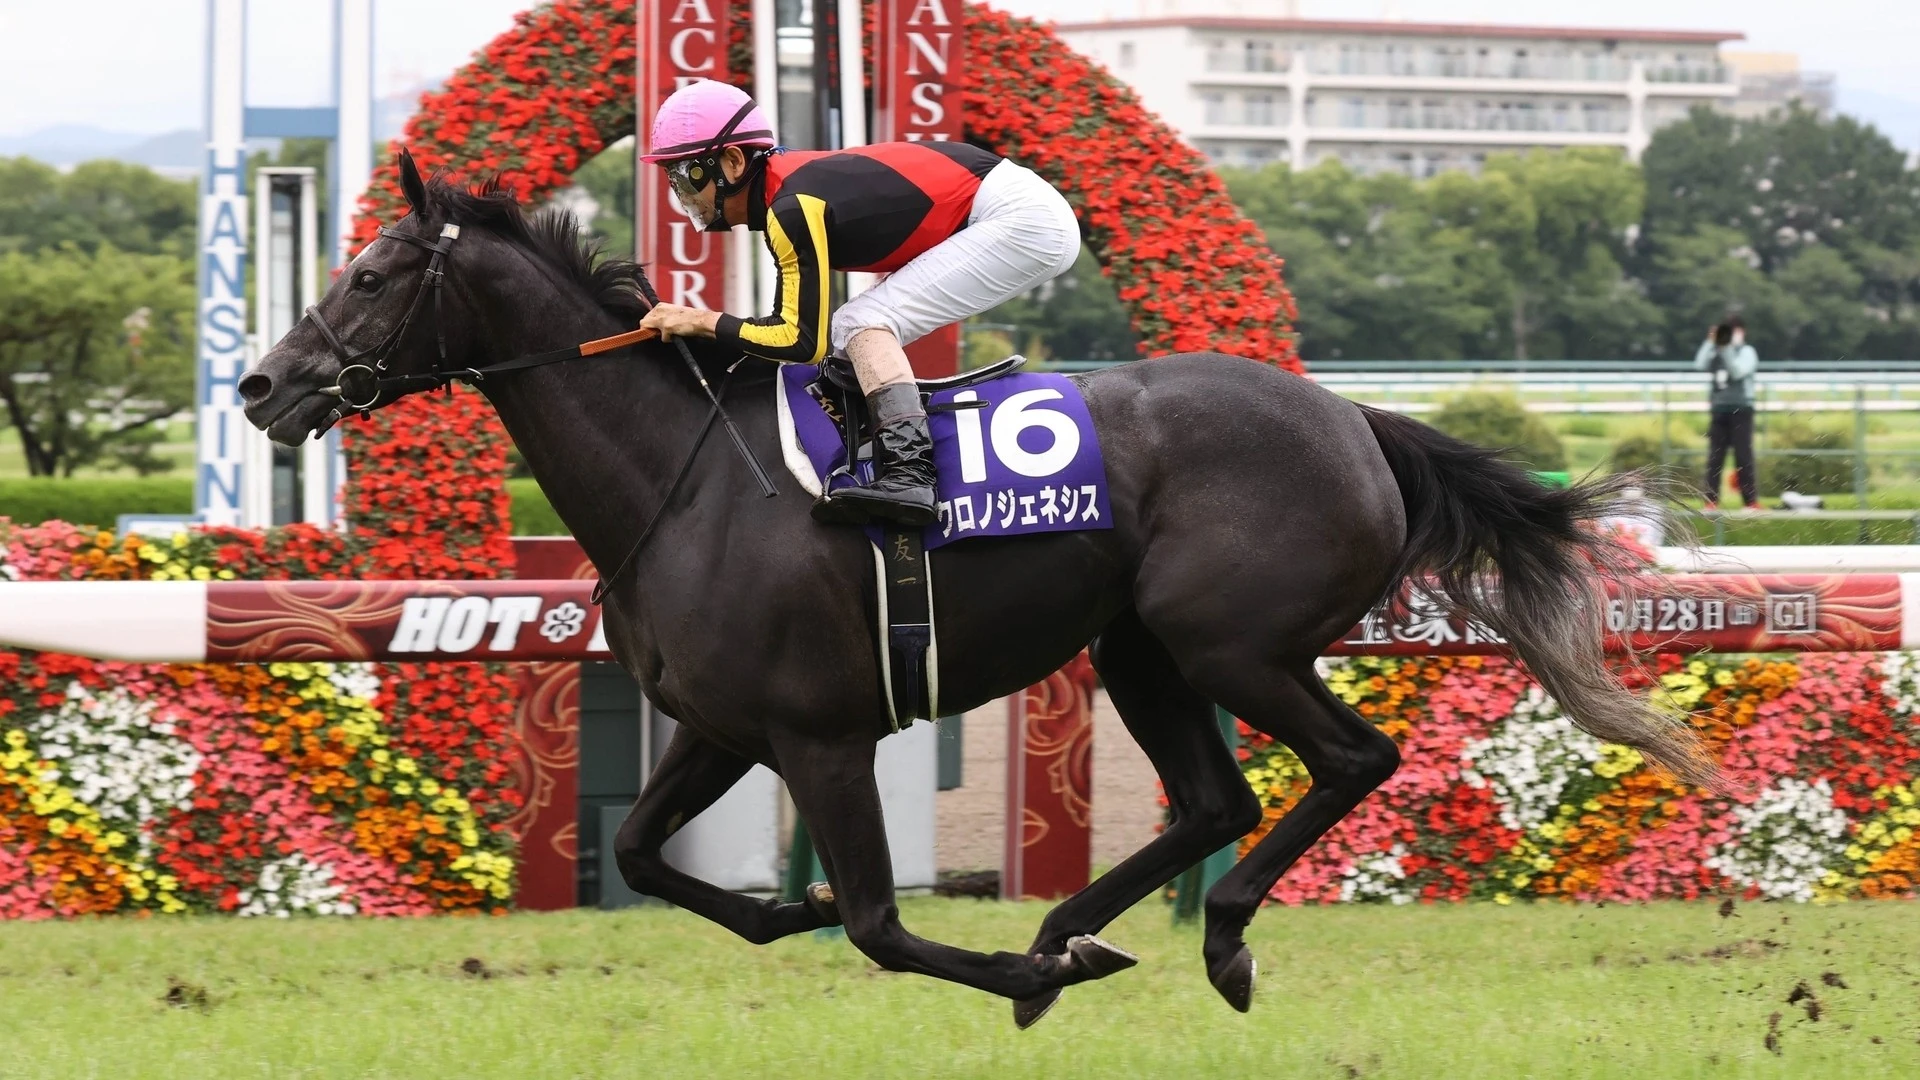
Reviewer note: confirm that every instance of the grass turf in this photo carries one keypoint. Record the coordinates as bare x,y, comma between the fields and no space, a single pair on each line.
1655,991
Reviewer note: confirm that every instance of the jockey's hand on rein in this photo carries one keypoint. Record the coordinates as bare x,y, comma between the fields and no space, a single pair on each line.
673,320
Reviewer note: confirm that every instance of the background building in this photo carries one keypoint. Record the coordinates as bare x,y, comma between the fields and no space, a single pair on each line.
1769,81
1417,98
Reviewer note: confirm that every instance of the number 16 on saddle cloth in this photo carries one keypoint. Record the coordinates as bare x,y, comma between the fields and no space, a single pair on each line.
1025,460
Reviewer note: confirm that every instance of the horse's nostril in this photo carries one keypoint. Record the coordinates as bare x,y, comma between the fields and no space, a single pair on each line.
255,386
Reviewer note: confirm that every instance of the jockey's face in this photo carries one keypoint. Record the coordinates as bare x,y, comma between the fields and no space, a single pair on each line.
694,193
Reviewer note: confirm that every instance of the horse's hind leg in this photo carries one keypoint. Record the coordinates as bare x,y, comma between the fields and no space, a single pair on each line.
1347,757
692,774
833,788
1210,801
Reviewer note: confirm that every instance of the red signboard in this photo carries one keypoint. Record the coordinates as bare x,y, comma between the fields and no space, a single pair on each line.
547,721
918,62
1049,846
259,621
678,41
1682,613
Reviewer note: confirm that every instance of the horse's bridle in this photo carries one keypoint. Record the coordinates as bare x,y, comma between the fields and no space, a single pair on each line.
360,386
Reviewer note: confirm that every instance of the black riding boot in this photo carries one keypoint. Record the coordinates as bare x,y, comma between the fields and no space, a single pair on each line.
902,487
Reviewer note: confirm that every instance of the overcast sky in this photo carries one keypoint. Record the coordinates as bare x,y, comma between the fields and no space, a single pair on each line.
136,65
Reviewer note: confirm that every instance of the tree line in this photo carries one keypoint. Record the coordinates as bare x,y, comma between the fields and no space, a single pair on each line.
1810,228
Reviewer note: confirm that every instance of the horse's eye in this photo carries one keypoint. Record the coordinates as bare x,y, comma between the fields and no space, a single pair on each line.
366,281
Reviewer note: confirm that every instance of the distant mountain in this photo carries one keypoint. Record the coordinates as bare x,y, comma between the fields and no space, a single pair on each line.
68,144
169,153
1897,118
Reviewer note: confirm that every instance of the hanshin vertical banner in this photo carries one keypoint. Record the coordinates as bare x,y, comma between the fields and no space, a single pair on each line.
221,333
678,41
919,62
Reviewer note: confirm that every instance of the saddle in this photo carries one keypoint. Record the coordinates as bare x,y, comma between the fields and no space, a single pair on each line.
838,391
909,667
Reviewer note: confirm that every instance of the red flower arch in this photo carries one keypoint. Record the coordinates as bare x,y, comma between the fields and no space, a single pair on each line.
549,94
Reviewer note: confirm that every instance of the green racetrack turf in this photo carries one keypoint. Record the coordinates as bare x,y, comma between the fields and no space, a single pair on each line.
1549,990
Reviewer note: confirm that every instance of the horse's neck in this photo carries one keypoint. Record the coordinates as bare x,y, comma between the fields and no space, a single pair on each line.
604,435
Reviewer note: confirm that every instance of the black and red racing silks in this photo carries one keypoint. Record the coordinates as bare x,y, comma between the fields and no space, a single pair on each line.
871,208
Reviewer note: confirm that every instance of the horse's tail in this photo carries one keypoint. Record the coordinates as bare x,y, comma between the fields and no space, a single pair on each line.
1468,512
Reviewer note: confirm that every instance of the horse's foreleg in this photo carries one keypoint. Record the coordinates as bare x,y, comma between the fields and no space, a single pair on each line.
1211,803
833,787
691,776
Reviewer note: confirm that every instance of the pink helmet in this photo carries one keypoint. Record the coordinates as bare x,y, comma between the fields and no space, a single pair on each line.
706,116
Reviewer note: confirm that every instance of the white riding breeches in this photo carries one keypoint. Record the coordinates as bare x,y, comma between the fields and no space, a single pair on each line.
1021,232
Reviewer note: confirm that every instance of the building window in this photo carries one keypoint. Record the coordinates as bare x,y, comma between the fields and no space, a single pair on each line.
1214,107
1126,54
1260,55
1260,110
1353,112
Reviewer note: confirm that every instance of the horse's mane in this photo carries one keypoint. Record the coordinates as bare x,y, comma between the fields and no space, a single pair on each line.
554,234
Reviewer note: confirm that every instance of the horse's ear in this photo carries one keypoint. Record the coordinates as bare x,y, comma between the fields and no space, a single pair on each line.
410,182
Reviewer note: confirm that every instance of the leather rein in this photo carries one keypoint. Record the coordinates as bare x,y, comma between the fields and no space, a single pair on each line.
361,386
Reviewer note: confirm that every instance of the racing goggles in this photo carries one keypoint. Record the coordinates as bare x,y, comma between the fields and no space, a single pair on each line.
687,177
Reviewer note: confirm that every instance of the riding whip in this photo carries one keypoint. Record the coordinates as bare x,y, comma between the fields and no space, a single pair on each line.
739,441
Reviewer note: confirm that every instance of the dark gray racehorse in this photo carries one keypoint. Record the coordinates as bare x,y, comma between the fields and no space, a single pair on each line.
1256,517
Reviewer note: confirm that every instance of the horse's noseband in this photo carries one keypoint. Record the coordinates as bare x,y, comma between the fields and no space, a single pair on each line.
359,385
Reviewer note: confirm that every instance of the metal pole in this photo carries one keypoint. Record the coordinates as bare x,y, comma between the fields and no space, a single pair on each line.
1666,424
1860,454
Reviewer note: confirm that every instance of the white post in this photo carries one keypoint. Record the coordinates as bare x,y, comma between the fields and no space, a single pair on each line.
853,103
353,98
766,91
353,170
221,334
322,468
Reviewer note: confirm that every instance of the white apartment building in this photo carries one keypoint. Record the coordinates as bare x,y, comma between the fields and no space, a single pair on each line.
1416,98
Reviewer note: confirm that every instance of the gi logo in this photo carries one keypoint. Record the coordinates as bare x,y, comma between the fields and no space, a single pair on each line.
1792,613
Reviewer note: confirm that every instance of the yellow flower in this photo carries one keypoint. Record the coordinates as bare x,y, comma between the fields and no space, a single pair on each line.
16,738
1502,898
402,788
201,573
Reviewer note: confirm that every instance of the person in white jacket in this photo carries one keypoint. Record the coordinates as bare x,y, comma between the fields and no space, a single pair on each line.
1733,362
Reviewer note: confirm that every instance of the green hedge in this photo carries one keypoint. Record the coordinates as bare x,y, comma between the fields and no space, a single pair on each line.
101,500
93,500
532,514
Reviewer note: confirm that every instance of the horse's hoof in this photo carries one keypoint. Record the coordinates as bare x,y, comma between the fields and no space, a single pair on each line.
1234,979
1028,1013
820,901
1093,958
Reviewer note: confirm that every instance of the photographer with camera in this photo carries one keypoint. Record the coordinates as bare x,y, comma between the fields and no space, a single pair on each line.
1732,362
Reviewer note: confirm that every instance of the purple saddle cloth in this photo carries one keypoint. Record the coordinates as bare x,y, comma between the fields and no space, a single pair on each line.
1027,461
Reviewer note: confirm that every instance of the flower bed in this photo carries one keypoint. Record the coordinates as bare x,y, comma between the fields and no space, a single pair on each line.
253,789
1502,798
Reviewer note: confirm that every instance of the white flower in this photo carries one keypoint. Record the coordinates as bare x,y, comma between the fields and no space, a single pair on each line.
117,758
354,681
1785,841
1377,876
293,885
1529,760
